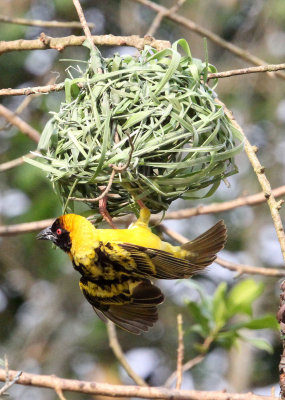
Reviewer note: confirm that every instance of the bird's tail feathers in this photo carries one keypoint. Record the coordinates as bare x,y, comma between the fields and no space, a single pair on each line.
139,315
203,250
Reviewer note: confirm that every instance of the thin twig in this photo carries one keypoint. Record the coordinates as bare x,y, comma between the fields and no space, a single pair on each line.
249,70
160,15
117,350
186,367
8,382
83,22
60,86
102,195
52,381
16,162
25,128
32,90
241,269
180,351
250,200
274,206
45,24
281,319
45,42
194,27
248,269
26,227
59,392
17,229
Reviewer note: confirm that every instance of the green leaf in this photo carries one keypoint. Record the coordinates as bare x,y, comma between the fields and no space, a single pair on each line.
196,310
265,322
136,118
46,136
220,306
242,295
261,344
227,339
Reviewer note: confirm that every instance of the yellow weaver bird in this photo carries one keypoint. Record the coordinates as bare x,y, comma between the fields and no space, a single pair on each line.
116,265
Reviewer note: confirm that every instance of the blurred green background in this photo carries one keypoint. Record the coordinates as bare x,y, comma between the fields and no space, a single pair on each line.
45,324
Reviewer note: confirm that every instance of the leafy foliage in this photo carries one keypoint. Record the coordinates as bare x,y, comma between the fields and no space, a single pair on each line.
214,316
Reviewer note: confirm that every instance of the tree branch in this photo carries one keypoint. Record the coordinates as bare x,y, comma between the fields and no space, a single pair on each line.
15,163
160,15
274,206
45,42
83,22
188,365
194,27
180,352
60,86
25,128
105,389
45,24
250,200
117,350
250,70
16,229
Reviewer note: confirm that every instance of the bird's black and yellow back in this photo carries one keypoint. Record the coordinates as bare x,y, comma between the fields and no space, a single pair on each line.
117,265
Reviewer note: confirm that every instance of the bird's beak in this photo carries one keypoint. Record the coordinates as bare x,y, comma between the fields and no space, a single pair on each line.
46,234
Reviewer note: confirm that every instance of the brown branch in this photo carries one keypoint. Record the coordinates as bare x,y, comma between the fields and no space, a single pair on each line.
248,269
102,195
26,227
45,24
117,350
32,90
25,128
180,351
9,230
281,319
160,15
59,393
60,86
241,269
250,200
188,365
274,206
8,382
250,70
194,27
45,42
15,163
83,22
105,389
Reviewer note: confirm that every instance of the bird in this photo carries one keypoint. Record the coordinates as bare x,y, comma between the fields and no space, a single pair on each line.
117,266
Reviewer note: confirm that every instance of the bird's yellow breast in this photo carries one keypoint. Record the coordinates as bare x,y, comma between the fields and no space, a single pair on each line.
85,237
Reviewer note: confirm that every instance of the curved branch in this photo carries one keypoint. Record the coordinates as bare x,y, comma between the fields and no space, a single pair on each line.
45,42
25,128
60,86
250,70
117,350
200,30
45,24
105,389
274,206
17,229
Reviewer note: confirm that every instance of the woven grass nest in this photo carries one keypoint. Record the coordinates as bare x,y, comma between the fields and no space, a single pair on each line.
151,115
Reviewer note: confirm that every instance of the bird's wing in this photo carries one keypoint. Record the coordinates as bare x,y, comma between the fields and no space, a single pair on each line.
165,265
135,314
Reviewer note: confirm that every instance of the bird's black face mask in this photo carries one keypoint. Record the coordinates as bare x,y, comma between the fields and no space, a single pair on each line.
57,234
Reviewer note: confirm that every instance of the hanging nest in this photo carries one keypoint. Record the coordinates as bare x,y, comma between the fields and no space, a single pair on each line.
151,115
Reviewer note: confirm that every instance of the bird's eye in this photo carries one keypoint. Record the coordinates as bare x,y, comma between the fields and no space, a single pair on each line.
58,231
